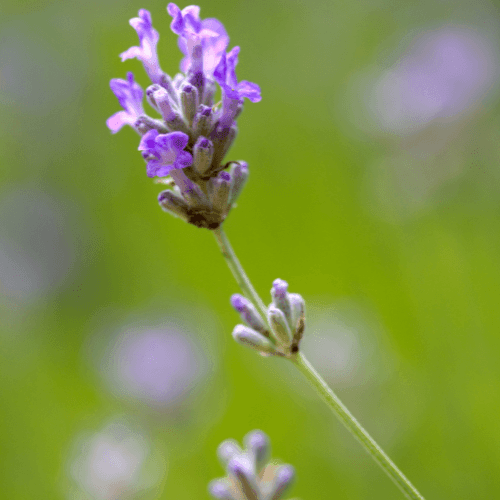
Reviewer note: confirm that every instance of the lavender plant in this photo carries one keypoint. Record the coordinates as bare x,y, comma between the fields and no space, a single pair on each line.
184,148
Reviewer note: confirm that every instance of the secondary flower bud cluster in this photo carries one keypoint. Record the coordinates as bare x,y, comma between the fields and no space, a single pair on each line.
249,475
282,333
186,144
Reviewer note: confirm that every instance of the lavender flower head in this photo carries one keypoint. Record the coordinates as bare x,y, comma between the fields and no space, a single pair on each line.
286,319
249,474
188,141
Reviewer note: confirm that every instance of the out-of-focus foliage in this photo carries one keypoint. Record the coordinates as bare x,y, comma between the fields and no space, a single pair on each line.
374,191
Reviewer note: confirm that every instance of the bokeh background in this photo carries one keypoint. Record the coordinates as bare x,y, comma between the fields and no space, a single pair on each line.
374,191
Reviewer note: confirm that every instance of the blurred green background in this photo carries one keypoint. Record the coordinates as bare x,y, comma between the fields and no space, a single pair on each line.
382,211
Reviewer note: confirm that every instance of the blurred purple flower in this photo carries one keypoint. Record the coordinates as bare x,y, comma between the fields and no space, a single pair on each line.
164,152
444,73
36,247
129,95
201,41
148,38
156,366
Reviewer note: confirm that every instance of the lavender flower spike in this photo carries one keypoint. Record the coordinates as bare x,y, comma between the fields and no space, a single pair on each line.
129,95
250,475
148,38
202,41
164,152
233,92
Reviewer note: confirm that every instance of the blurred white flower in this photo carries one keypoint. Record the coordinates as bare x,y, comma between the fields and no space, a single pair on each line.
111,464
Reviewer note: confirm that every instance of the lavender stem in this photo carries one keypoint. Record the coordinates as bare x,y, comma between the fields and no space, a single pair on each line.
322,388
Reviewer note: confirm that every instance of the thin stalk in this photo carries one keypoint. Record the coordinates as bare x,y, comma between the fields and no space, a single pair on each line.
355,428
338,408
237,269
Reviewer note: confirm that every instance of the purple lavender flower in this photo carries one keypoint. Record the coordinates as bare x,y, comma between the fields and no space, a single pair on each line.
233,92
146,53
202,41
164,152
129,95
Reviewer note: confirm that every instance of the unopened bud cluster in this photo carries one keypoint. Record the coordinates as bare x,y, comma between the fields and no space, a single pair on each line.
281,334
249,474
185,146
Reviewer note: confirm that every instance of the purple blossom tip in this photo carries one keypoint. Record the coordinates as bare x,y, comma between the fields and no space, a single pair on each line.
225,176
285,474
256,440
205,110
203,143
202,41
225,75
240,466
129,95
162,196
280,287
239,302
146,52
219,489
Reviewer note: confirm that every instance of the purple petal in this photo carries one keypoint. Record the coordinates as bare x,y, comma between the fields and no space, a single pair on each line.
148,140
232,61
176,141
249,90
183,160
118,120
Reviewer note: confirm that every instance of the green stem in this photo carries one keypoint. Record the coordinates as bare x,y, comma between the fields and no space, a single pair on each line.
356,429
341,412
237,270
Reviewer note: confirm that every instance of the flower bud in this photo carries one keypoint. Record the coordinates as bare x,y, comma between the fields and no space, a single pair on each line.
208,93
167,83
227,450
223,138
202,122
283,478
239,174
203,153
189,102
257,443
249,314
189,190
245,335
168,110
144,124
149,95
240,468
279,325
173,203
221,188
280,298
220,489
297,305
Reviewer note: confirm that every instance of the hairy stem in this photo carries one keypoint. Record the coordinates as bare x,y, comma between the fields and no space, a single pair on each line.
331,399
